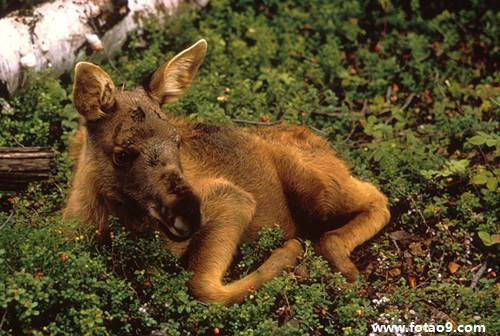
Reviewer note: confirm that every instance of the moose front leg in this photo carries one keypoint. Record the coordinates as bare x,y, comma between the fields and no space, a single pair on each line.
228,210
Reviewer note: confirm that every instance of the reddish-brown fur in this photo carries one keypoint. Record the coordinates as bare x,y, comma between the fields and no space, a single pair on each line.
209,188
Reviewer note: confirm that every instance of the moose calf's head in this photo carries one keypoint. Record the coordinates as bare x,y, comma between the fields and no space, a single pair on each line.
134,149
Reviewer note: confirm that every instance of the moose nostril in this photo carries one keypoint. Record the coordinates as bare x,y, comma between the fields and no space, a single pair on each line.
181,226
163,211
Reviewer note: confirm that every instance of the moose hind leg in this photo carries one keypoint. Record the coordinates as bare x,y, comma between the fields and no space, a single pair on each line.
368,215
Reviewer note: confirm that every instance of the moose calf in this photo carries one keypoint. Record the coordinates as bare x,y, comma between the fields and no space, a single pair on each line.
209,188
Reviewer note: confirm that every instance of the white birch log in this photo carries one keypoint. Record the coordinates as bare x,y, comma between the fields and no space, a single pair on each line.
57,34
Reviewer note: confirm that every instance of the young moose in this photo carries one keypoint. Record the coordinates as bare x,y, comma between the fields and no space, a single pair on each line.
209,188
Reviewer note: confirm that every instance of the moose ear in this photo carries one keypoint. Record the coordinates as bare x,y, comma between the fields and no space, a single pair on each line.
174,77
93,91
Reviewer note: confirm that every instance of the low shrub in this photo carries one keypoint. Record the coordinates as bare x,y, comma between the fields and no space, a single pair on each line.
407,92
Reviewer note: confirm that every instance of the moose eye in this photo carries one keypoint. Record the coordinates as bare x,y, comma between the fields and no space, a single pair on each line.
122,157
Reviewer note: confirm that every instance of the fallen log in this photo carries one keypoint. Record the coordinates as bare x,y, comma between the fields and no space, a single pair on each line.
22,165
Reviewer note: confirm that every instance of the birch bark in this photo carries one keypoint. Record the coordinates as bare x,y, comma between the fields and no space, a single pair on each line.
57,34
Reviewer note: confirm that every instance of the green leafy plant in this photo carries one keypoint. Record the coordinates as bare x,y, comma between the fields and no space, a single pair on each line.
408,95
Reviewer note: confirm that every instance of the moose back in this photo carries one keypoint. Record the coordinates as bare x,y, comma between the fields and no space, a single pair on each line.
208,188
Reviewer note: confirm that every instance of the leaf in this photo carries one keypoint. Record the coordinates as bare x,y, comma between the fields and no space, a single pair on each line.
453,267
485,237
417,249
412,281
371,120
492,142
377,134
395,272
492,183
488,239
460,165
496,101
437,314
480,178
430,174
402,236
477,140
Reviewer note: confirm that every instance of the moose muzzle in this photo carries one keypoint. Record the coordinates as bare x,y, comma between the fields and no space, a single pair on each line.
178,211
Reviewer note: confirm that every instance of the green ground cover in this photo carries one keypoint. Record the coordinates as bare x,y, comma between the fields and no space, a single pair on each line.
407,92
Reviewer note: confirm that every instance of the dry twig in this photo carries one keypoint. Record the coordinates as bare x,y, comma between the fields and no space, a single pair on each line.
259,123
478,275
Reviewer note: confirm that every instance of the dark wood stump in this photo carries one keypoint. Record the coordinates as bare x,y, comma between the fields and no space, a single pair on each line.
21,165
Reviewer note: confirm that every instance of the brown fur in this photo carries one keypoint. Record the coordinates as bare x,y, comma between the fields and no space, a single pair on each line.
209,188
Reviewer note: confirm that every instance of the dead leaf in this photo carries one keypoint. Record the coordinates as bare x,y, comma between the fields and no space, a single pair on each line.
395,272
368,270
417,249
402,236
439,315
453,267
412,281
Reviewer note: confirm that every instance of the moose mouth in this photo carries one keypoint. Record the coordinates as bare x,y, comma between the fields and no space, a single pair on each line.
178,227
